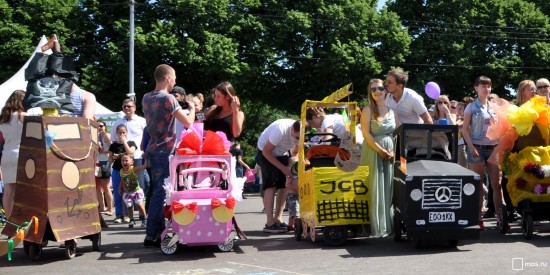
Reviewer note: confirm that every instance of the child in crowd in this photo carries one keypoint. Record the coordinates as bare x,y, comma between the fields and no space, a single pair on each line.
129,188
118,148
291,186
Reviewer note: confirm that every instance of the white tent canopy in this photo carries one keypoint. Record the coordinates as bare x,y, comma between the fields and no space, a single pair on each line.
18,82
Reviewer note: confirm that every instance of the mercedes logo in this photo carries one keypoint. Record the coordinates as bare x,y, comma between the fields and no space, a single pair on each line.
443,194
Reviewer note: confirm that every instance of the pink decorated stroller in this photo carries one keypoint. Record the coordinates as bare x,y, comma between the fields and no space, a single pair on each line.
203,212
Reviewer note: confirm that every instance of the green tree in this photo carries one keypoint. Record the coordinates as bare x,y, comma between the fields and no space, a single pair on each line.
456,41
308,49
22,23
276,53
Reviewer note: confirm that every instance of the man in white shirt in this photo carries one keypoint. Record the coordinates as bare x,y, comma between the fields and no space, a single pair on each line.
405,103
274,144
136,125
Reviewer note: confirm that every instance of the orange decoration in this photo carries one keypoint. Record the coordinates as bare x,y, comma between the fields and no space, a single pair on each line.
35,220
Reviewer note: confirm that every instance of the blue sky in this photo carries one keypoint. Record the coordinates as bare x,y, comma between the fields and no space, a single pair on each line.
380,4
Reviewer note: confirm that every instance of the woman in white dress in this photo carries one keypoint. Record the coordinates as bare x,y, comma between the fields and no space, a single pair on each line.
11,126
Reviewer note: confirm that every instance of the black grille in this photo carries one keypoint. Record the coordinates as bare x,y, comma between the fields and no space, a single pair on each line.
441,193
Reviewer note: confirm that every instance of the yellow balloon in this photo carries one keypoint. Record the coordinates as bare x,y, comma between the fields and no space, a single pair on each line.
184,217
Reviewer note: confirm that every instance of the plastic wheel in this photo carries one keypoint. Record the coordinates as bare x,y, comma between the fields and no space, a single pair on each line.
453,243
335,235
70,249
26,247
502,219
527,225
298,230
397,227
418,243
226,246
167,248
96,241
35,251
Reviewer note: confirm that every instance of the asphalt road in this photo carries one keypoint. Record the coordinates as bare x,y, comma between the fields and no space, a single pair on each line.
122,252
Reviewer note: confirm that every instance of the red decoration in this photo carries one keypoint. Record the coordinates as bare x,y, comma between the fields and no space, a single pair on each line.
213,144
229,203
167,212
177,207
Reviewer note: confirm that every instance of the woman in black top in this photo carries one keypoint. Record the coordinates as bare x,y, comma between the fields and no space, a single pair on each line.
226,115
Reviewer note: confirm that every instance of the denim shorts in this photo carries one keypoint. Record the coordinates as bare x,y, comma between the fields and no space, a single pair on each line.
484,152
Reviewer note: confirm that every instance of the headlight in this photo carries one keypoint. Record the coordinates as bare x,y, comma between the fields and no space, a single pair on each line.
469,189
416,194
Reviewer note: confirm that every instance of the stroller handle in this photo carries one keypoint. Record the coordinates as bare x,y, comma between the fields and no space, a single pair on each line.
201,169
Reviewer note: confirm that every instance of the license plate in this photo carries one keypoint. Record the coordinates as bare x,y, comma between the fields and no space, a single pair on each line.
442,217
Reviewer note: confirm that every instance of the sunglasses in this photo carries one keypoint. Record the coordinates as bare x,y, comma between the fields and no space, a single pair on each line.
543,87
128,106
533,90
101,126
442,102
380,88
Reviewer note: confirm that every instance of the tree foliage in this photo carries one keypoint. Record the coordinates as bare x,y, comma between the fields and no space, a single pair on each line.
456,41
276,53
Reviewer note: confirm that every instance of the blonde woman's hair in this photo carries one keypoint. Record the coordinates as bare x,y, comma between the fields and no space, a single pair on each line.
525,83
436,109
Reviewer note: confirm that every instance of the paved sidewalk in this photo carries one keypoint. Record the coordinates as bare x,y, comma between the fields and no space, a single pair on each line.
122,252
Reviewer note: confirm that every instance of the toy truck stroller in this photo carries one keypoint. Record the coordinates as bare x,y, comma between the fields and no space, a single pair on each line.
56,183
434,198
333,189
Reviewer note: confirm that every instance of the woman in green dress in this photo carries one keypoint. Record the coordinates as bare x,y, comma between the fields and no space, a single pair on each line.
377,124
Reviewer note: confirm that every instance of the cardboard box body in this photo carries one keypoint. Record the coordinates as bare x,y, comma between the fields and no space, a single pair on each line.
56,179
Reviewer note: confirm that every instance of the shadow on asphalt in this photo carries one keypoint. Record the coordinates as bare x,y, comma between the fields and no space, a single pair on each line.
128,245
355,248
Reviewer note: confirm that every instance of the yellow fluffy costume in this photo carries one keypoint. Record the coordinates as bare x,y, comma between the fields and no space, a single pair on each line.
528,164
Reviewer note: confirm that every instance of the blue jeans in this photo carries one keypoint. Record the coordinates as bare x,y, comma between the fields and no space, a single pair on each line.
141,176
115,179
159,165
239,171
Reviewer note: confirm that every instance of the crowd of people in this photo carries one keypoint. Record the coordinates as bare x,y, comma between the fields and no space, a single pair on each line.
133,158
391,103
